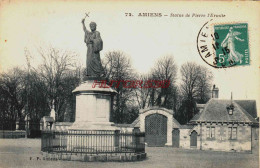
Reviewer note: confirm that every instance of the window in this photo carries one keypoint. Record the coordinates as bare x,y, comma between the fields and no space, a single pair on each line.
210,132
232,132
230,109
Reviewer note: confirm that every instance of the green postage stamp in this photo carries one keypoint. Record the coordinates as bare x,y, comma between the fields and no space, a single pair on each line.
231,45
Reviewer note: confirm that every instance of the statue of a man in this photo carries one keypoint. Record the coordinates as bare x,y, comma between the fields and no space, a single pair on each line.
95,45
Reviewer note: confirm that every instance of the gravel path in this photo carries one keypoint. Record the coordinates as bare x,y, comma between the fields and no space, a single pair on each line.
25,152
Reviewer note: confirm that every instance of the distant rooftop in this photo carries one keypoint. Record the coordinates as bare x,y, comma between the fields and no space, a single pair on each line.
216,111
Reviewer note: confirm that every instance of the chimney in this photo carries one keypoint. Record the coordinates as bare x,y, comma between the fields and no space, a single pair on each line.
215,92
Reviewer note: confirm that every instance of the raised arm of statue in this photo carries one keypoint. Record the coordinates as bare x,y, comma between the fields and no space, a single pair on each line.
85,30
84,27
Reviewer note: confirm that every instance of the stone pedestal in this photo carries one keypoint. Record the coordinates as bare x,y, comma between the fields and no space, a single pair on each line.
93,110
93,106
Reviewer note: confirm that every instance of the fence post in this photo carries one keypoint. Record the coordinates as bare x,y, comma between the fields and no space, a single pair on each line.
136,138
17,125
117,132
42,139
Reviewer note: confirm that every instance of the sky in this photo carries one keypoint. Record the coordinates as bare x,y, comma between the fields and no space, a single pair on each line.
33,24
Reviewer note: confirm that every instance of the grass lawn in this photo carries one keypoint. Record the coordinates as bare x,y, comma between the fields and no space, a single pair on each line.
24,153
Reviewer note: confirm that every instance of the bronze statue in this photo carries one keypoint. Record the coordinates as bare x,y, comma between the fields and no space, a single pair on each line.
95,45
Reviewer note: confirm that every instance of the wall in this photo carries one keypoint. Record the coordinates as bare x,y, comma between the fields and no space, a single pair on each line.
185,138
12,134
124,128
221,142
255,139
62,126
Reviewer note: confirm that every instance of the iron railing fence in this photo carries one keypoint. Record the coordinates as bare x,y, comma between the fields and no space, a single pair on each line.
10,129
12,134
92,142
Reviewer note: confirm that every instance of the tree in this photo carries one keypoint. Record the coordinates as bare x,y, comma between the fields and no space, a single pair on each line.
117,66
196,81
37,105
204,85
31,92
194,87
142,94
65,98
57,68
13,94
164,70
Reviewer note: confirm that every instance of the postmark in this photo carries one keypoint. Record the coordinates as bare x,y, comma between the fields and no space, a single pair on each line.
224,45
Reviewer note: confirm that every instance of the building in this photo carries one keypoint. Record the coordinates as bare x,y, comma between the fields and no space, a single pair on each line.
224,125
220,125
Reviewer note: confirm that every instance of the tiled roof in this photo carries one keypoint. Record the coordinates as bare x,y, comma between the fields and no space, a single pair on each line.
196,117
249,106
216,111
136,122
175,123
186,126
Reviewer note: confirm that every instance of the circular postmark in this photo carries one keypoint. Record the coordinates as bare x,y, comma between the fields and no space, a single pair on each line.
223,45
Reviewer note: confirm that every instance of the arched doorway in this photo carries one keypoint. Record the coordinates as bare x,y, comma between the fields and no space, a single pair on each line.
176,138
193,138
156,130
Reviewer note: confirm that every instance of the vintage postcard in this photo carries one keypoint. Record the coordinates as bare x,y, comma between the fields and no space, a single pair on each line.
172,84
